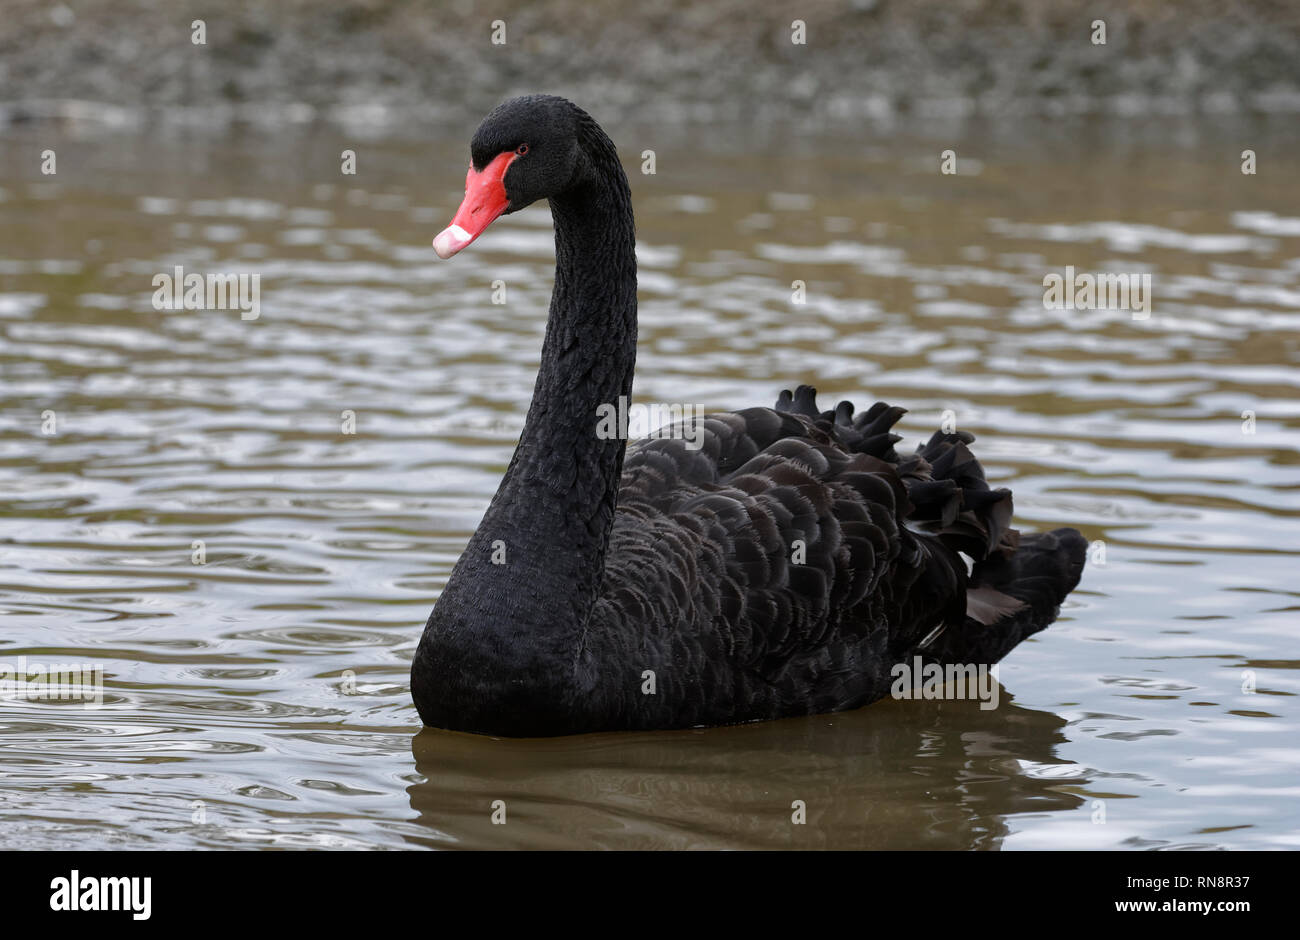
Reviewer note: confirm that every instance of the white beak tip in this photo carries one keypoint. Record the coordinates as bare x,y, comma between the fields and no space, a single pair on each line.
451,240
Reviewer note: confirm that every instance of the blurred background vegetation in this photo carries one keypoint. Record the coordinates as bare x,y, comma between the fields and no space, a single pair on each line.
667,60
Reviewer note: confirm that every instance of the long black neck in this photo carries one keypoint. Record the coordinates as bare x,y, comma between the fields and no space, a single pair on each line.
533,569
590,347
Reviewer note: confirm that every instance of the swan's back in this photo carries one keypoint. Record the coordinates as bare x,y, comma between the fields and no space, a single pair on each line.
783,561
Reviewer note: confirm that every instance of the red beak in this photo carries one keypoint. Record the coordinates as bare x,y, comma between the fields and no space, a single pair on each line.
485,200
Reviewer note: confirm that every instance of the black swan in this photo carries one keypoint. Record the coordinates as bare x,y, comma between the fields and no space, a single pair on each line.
782,568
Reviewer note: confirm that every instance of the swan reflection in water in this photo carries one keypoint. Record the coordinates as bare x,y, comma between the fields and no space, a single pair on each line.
895,775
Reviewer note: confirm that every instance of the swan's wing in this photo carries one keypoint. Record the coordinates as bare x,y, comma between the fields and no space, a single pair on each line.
791,558
778,535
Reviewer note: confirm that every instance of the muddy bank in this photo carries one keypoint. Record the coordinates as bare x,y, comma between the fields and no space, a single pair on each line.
730,60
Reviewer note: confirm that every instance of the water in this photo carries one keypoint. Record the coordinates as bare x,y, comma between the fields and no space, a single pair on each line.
260,699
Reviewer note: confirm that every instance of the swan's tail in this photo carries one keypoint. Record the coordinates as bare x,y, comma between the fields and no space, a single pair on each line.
1014,595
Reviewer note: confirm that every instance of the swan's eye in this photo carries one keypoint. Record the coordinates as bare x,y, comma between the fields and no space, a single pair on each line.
521,149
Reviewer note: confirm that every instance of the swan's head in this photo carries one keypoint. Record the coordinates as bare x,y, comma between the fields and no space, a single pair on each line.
526,149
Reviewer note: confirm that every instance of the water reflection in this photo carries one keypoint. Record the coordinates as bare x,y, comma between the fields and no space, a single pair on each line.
896,775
